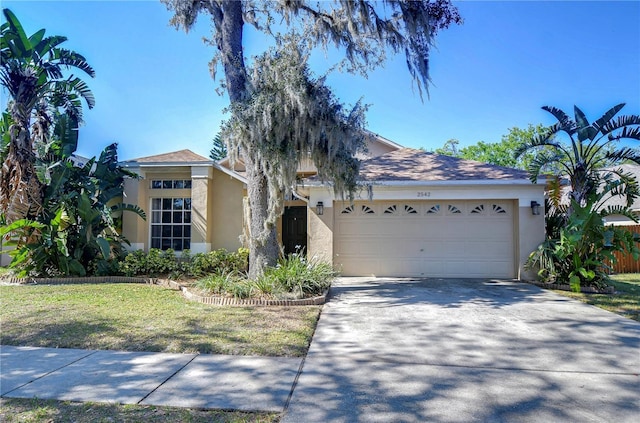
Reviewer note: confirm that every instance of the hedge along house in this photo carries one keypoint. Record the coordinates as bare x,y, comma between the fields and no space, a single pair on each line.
417,215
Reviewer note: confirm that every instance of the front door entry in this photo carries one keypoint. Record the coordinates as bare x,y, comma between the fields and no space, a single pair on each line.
294,229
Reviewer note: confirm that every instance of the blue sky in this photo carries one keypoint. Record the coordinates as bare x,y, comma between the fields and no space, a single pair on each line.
154,92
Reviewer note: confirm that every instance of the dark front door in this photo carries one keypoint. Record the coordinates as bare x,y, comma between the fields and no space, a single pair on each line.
294,229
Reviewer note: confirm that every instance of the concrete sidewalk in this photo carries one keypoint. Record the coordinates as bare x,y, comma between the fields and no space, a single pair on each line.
181,380
390,350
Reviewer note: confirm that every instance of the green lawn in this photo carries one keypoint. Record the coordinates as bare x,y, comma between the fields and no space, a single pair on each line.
626,300
37,410
138,317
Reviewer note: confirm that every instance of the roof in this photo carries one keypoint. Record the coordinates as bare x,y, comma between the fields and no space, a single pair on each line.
384,140
181,156
409,164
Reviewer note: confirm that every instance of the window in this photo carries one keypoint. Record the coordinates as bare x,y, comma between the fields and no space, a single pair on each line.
171,184
171,223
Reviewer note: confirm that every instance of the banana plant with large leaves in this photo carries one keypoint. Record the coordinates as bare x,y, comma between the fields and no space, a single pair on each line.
580,249
31,70
78,230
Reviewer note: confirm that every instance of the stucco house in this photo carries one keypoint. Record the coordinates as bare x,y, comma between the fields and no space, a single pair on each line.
418,214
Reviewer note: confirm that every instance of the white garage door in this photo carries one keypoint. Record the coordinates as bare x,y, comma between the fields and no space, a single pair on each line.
425,238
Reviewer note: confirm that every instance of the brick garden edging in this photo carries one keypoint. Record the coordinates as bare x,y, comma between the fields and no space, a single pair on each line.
583,289
171,284
230,301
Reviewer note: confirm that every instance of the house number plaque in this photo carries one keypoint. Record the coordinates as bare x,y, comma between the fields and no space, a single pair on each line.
424,194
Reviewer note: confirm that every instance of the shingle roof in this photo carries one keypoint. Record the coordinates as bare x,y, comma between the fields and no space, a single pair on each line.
182,156
408,164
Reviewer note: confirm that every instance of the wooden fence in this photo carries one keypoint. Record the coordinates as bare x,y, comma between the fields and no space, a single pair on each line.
625,262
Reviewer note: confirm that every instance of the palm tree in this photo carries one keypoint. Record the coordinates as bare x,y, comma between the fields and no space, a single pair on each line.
592,152
31,71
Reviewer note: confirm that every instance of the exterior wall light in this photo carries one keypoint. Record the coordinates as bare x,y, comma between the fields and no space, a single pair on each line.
535,208
320,208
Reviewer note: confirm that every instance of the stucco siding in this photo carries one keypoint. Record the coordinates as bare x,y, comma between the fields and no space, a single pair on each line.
226,211
530,234
320,233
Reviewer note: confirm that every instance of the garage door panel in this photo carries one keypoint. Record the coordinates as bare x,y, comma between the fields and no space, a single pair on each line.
359,248
357,228
426,238
403,267
488,230
409,248
353,267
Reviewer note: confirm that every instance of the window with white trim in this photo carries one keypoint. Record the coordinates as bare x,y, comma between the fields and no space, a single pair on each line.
171,223
171,184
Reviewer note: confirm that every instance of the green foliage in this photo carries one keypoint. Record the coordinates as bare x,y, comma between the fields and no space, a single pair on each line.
579,249
220,261
219,282
279,114
291,116
77,231
295,276
301,276
368,31
591,152
157,262
450,148
5,135
499,153
219,150
579,246
31,71
62,219
31,68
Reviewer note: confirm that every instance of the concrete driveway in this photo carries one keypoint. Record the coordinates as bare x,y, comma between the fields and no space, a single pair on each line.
445,350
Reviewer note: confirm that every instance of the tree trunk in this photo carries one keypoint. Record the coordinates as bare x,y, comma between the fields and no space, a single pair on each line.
20,190
263,241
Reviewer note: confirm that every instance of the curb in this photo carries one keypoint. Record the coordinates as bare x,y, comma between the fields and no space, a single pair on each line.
171,284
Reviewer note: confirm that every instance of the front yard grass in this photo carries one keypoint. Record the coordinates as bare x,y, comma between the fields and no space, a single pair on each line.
137,317
626,300
38,410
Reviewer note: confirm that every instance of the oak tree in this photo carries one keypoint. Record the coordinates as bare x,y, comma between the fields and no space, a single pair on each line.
366,31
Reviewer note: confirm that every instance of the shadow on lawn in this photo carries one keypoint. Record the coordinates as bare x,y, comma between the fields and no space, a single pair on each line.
186,335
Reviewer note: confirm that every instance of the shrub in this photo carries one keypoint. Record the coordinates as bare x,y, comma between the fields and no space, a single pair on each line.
219,261
580,248
266,286
134,263
156,262
219,283
222,283
301,276
294,276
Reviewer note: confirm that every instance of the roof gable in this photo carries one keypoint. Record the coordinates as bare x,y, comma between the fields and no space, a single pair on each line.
181,156
409,164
